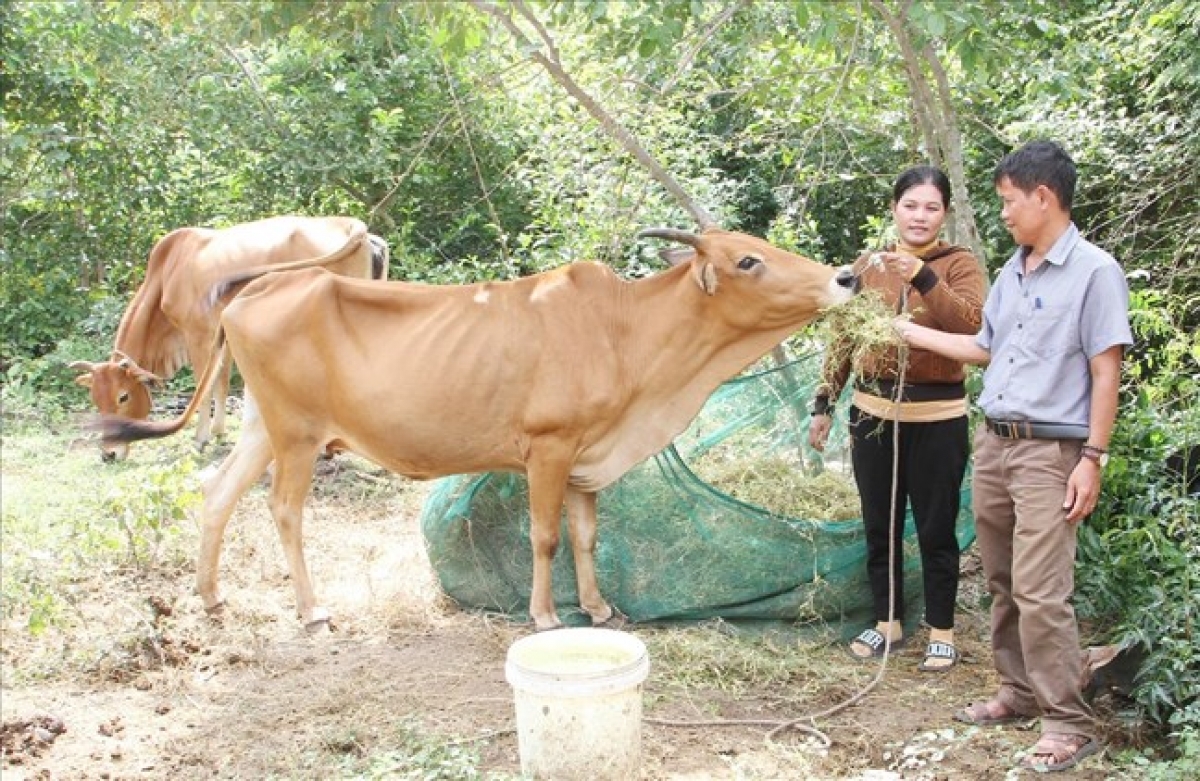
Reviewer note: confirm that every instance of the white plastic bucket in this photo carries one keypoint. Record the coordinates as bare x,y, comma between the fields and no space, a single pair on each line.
578,696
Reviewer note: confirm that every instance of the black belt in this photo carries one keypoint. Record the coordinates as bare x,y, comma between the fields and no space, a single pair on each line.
1023,429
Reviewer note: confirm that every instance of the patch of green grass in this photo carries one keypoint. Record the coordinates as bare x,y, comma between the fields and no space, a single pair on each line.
70,521
416,756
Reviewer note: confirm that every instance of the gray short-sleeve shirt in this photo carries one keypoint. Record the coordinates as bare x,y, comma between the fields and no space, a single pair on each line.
1042,329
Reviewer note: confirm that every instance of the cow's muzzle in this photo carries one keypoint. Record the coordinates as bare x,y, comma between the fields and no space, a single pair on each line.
113,452
849,280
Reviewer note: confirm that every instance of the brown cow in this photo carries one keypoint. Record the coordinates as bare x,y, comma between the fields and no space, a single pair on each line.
168,324
570,376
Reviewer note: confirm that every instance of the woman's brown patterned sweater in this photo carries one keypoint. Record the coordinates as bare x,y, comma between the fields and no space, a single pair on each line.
946,294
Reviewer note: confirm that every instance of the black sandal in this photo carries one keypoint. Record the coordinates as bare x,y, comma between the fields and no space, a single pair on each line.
939,649
874,640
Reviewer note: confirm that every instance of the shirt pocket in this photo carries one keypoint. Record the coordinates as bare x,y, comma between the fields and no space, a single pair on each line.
1053,330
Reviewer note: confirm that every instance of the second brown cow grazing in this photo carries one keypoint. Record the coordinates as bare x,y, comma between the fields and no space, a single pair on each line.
170,323
571,377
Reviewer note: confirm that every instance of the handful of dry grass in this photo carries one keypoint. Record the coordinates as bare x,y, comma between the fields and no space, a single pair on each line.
859,328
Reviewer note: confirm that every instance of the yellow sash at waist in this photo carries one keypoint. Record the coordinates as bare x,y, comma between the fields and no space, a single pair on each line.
910,411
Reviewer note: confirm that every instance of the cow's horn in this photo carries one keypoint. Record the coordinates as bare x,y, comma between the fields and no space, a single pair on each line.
125,362
86,366
671,234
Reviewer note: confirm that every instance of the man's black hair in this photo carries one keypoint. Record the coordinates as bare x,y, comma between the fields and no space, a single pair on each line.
1040,163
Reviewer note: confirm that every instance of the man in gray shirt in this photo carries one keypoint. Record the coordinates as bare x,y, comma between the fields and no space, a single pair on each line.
1055,326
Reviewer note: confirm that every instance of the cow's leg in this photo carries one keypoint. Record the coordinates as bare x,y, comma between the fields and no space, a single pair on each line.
240,469
289,489
198,355
220,394
203,420
547,468
581,514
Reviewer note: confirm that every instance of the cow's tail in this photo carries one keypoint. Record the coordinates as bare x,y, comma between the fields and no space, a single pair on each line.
380,256
116,428
230,285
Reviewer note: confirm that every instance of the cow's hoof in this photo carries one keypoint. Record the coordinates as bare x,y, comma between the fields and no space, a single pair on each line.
319,627
215,611
321,623
548,627
617,620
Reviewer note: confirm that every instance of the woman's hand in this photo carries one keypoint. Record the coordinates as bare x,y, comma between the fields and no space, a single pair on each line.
818,431
902,264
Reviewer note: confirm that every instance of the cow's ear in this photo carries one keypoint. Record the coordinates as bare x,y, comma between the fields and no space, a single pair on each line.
706,277
677,255
84,379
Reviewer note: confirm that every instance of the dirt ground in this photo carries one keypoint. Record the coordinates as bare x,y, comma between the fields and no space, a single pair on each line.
180,696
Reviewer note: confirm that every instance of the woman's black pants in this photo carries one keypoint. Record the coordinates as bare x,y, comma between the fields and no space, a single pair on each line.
929,472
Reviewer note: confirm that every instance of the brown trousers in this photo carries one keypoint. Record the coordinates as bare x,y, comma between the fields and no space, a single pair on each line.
1028,553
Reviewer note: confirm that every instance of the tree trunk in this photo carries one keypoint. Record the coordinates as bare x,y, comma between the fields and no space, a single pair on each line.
939,125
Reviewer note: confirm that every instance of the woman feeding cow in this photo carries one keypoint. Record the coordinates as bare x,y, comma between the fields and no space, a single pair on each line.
923,394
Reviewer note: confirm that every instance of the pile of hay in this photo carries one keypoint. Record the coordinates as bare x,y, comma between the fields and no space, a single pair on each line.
780,485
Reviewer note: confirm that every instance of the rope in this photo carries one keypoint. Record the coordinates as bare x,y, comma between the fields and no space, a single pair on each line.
799,723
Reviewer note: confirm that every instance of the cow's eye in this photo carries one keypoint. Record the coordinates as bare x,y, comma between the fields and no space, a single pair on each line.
748,262
123,397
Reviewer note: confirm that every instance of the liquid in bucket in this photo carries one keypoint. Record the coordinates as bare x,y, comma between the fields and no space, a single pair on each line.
578,695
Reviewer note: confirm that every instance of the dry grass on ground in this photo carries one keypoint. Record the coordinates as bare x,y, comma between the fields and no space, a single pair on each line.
145,686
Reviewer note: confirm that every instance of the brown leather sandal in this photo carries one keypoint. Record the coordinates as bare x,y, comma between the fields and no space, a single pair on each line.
1057,751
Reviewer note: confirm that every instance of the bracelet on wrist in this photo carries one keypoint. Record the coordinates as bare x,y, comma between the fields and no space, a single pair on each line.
1097,455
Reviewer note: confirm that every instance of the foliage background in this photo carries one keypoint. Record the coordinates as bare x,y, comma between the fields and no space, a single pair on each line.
789,119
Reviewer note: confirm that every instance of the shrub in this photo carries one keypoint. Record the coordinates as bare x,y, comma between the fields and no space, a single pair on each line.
1137,579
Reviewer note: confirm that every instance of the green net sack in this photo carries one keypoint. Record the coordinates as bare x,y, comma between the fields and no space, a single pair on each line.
737,519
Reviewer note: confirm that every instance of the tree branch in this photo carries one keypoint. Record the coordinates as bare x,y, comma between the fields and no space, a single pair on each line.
939,124
412,163
924,105
606,120
952,146
685,62
542,32
462,120
843,78
256,89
